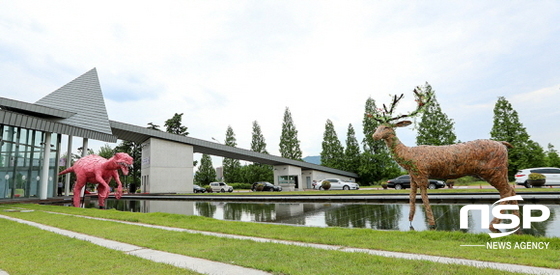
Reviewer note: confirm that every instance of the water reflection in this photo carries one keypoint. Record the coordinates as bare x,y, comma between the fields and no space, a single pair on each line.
373,216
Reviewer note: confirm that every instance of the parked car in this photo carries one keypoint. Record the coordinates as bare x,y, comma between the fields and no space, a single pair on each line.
198,189
219,186
267,186
403,182
338,184
552,175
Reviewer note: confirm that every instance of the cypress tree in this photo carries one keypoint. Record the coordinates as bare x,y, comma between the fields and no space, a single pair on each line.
206,173
289,143
232,167
332,154
257,171
258,143
552,158
352,151
507,127
435,128
376,161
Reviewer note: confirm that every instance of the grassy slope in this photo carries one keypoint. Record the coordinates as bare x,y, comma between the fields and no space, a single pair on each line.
426,242
29,250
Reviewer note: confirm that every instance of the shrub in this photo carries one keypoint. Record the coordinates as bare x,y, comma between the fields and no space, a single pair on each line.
536,176
240,185
326,185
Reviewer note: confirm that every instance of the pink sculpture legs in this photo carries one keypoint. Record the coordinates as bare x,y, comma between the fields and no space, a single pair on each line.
77,193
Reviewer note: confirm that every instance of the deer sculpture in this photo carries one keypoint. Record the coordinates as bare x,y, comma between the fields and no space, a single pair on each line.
486,159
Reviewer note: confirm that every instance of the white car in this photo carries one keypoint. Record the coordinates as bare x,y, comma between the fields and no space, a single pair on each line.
338,184
220,187
552,175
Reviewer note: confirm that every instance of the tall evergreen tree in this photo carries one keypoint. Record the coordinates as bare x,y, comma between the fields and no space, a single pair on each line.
174,125
206,173
435,128
231,166
352,151
376,161
257,171
332,154
289,143
507,127
258,143
552,157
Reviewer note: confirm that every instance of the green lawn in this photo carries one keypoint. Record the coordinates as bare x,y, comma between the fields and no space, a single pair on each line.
274,258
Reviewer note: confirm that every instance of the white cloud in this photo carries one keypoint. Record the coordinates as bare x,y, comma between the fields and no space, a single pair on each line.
232,62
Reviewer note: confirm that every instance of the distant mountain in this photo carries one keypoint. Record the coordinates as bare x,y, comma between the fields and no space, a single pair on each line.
313,159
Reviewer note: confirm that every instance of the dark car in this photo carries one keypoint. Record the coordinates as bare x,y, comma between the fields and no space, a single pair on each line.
198,189
267,186
403,182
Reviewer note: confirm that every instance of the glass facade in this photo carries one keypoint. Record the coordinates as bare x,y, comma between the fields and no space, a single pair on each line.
21,161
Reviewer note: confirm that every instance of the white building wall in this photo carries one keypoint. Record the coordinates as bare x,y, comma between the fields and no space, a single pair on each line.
167,167
283,171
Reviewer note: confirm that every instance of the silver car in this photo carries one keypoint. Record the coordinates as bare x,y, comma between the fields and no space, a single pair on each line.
220,187
552,175
338,184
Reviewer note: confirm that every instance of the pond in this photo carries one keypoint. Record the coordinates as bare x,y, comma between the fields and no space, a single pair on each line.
377,216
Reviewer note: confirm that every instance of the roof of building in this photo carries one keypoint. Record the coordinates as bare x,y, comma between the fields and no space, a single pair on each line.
82,96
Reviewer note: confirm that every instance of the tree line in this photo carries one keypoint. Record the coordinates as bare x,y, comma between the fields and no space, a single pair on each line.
370,160
374,163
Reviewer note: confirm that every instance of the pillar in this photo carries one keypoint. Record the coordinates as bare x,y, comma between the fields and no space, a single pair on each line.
45,169
68,164
167,167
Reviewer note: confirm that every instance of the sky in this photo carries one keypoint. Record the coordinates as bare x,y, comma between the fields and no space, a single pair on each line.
229,63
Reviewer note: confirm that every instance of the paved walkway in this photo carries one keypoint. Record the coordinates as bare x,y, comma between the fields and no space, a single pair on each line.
209,267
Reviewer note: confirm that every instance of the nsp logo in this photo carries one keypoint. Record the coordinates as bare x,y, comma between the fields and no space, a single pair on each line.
496,212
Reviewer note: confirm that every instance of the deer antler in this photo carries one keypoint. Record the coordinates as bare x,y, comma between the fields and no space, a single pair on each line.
385,115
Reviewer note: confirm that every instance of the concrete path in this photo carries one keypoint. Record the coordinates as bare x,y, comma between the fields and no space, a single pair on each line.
225,267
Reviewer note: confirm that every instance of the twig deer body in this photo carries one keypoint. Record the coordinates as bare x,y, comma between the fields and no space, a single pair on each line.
487,159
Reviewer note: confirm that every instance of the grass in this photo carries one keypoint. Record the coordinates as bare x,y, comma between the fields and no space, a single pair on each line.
29,250
283,259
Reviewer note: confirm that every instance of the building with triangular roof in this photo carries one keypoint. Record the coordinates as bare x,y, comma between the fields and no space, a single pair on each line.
31,137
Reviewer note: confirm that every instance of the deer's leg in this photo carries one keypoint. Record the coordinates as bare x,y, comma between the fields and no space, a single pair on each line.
498,179
412,203
426,201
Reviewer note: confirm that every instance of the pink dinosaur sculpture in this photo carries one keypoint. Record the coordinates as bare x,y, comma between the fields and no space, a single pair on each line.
99,170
